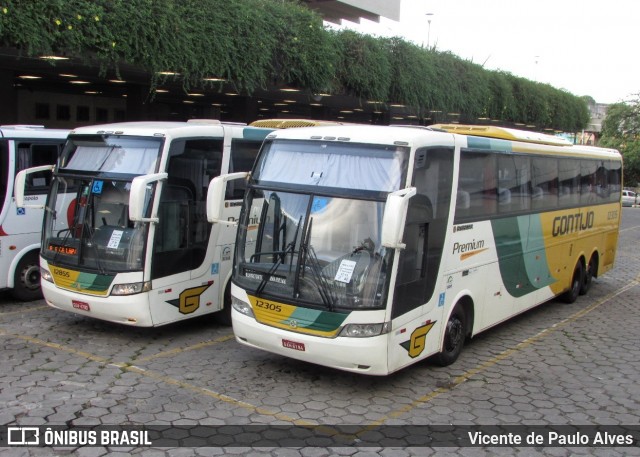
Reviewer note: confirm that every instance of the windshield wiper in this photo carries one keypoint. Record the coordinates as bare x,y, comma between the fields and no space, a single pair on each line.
291,248
307,252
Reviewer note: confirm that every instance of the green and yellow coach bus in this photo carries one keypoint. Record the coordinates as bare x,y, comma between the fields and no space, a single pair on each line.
369,248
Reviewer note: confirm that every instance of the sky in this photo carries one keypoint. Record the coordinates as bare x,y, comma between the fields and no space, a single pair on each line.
586,47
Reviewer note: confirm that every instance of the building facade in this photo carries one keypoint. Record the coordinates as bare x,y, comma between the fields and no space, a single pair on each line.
72,93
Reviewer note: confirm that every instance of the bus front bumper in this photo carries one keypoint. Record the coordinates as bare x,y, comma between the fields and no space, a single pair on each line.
127,309
358,355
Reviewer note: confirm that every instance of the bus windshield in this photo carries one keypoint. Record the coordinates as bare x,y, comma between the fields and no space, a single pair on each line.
319,250
321,247
86,222
327,164
110,154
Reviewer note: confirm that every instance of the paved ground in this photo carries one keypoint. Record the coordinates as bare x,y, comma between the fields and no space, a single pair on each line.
559,364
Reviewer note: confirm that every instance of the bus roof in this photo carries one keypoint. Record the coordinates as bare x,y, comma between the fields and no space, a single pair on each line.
504,133
31,131
436,135
360,133
167,128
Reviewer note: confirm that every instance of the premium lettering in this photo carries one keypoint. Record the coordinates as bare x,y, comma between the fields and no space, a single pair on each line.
459,248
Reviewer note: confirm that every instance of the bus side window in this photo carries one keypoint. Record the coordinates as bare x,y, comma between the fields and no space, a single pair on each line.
514,184
478,180
588,182
4,170
614,178
33,155
243,155
569,177
545,183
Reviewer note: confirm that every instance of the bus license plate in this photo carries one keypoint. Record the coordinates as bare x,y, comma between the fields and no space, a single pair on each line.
77,304
293,345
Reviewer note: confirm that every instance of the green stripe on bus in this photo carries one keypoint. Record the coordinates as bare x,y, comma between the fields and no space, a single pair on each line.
255,133
94,282
524,269
318,320
476,142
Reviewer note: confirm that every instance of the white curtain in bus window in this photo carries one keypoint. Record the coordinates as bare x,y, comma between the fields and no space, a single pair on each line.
114,159
348,168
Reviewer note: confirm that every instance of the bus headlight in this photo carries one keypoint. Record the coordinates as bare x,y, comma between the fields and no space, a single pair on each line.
44,274
242,307
364,330
131,288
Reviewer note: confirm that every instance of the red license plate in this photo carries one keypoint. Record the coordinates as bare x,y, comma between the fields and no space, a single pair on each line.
80,305
293,345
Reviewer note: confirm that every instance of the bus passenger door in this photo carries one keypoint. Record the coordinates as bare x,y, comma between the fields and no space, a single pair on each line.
184,281
416,311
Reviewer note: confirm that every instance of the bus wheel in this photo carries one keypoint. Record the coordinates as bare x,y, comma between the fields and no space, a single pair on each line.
454,337
26,285
588,276
576,283
224,315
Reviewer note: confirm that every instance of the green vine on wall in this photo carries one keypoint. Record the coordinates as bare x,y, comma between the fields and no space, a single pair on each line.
257,44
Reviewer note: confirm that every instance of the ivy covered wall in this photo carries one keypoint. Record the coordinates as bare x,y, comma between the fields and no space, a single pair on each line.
264,43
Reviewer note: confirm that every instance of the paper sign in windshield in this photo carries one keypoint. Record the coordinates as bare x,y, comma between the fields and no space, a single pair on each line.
114,241
345,271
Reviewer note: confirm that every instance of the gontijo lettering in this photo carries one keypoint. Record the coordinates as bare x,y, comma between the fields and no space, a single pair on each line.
564,225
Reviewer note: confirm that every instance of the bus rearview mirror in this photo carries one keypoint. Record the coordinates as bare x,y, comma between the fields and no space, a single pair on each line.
393,220
140,196
20,182
216,196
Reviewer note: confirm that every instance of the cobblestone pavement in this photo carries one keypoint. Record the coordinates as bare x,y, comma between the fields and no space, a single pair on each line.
557,364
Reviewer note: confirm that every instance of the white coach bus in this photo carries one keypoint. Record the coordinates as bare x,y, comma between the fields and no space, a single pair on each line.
21,147
376,247
125,235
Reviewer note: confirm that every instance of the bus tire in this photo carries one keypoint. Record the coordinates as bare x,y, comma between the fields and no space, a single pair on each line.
577,280
26,285
589,274
454,337
224,315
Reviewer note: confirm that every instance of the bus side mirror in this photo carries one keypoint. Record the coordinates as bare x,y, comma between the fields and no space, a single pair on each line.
216,194
395,215
139,197
20,181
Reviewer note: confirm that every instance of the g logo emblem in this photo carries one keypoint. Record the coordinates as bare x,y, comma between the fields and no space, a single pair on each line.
417,343
189,299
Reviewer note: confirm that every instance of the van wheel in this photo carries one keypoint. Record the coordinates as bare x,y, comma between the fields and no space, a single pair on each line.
224,315
576,284
27,278
588,276
454,337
